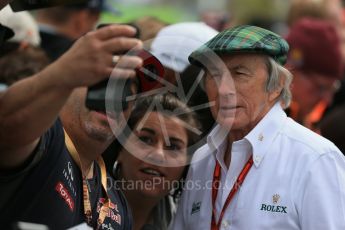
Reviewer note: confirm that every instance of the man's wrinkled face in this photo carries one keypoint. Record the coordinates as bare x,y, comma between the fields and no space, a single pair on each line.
238,90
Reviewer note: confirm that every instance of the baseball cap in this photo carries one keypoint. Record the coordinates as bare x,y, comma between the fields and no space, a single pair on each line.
315,47
173,44
244,39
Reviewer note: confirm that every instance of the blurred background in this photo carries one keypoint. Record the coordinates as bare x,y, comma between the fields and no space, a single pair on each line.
218,13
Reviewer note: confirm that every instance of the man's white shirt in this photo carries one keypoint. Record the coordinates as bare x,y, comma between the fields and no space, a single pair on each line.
297,180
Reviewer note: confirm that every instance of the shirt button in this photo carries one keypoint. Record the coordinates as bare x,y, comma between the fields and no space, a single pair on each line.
257,159
225,224
261,137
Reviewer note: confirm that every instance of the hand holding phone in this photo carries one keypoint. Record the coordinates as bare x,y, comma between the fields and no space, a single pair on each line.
148,77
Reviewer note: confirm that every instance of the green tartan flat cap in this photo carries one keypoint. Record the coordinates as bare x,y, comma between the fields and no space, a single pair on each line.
244,39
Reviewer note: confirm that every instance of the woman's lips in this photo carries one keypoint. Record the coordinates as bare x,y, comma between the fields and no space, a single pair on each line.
152,172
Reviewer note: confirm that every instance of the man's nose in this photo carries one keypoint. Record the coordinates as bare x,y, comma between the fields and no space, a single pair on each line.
226,85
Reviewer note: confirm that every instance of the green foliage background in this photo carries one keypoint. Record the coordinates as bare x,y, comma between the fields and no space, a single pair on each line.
166,13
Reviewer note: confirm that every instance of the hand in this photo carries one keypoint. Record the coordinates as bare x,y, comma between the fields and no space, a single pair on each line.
90,59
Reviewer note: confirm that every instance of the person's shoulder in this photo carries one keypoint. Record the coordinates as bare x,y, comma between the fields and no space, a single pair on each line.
54,137
306,140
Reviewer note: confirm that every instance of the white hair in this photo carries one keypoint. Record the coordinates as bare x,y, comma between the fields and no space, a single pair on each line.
279,78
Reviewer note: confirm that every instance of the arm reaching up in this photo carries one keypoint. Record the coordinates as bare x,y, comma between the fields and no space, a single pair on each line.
29,107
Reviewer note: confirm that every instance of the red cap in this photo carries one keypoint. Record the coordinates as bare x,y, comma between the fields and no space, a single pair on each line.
315,47
151,75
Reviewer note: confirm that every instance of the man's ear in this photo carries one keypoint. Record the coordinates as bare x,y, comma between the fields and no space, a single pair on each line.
276,93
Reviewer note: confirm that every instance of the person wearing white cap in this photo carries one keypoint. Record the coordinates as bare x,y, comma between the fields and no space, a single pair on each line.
172,46
174,43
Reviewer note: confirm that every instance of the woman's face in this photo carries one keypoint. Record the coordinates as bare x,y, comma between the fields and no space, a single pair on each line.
157,143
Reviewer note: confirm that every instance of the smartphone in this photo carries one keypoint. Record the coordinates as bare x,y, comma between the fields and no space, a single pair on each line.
95,99
96,94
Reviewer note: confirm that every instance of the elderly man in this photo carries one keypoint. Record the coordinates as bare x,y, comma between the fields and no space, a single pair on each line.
265,171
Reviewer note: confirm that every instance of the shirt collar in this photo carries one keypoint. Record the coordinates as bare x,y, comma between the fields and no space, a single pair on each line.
263,134
217,137
260,138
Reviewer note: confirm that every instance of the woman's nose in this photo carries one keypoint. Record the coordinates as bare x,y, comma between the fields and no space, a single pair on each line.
156,155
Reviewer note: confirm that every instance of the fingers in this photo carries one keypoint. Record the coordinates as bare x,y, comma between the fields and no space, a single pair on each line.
127,62
111,31
125,66
94,53
121,73
122,44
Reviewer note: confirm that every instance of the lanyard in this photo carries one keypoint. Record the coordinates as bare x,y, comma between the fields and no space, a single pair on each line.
86,196
215,187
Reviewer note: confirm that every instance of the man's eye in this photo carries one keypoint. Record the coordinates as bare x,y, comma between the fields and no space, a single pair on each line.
239,73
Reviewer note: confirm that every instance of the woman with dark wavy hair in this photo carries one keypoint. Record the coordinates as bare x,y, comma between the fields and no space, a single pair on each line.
162,133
